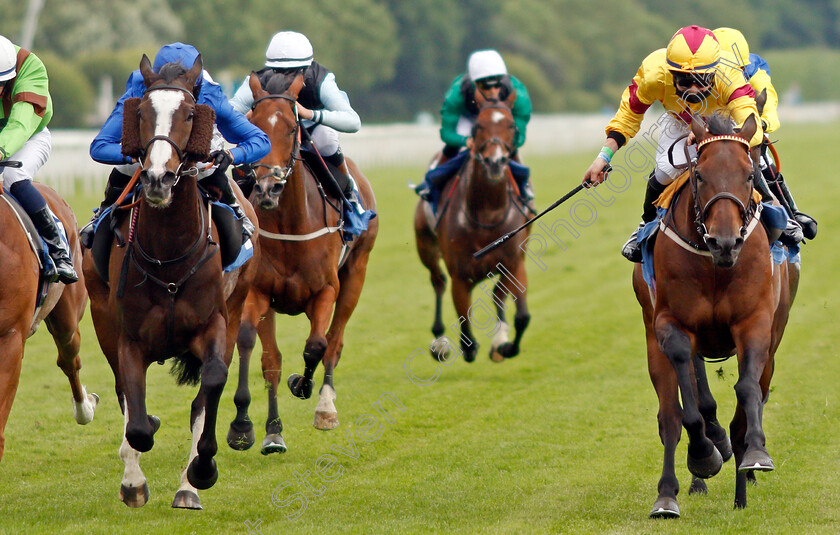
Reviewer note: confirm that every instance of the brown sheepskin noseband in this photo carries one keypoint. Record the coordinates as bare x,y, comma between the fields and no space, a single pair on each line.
198,146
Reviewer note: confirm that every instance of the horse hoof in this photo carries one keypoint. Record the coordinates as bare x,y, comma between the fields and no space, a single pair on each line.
706,468
665,508
186,499
240,440
299,386
202,479
135,496
495,356
325,421
756,460
470,352
698,486
154,421
441,349
724,446
83,412
273,443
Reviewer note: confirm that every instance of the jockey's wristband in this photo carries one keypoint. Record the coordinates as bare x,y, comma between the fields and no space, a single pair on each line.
604,156
608,151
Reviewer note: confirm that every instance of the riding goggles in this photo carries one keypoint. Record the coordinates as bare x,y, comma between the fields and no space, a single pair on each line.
491,82
686,80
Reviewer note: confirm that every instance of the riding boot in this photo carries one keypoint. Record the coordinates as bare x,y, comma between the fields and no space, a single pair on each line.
245,178
352,192
631,250
808,223
47,228
521,175
229,198
117,182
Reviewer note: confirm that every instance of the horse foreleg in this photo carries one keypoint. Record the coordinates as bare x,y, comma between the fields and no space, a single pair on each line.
11,357
272,368
755,370
319,313
708,409
461,297
241,434
517,289
669,418
202,472
140,427
63,324
134,490
704,460
429,252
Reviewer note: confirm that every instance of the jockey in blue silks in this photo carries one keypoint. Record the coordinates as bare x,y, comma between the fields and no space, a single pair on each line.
252,144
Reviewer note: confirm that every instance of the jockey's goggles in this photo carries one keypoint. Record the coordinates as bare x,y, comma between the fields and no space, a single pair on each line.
685,80
491,82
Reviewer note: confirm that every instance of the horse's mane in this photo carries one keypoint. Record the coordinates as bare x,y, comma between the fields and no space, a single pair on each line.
172,71
277,83
721,124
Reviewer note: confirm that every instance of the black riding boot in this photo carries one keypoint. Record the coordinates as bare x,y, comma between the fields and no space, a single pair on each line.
229,198
793,232
631,250
113,188
64,270
808,223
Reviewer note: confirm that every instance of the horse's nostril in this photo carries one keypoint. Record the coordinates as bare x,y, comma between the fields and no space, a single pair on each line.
739,242
711,242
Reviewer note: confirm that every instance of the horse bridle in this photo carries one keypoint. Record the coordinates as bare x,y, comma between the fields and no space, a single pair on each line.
282,173
178,172
700,213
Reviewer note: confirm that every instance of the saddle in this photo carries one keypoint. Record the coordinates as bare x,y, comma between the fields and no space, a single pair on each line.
340,186
37,244
233,251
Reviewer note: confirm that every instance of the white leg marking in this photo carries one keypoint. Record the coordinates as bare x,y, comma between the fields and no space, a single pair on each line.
501,335
83,411
326,399
197,429
133,475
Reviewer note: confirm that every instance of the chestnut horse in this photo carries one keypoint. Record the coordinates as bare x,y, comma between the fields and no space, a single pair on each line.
166,295
477,206
61,309
717,294
304,267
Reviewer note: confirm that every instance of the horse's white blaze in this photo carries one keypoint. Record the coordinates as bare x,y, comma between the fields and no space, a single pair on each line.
165,103
133,475
497,116
197,429
325,400
83,410
501,335
498,154
272,120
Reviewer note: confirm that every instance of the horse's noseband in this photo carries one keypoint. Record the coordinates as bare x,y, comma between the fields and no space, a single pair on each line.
701,213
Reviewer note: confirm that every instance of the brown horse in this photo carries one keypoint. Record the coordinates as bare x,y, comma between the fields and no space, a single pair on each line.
717,294
304,266
167,295
478,206
61,309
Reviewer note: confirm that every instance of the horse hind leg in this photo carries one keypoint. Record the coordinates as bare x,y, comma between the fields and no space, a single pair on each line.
187,495
272,363
63,324
461,298
134,489
708,409
516,286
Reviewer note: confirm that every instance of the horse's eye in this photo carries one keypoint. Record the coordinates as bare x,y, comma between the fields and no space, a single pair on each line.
190,115
698,176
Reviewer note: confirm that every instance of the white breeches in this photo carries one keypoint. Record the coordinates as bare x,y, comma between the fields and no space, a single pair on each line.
33,155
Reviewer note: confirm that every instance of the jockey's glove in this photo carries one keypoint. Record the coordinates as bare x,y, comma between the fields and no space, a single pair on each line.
221,159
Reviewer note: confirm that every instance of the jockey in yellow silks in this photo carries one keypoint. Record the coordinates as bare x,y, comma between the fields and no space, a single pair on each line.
688,78
735,51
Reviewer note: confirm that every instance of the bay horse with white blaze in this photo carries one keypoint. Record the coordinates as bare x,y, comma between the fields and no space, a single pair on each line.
717,293
165,294
305,266
477,206
62,309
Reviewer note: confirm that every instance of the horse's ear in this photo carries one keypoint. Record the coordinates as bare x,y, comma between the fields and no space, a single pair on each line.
511,99
198,146
256,88
130,142
761,100
195,72
296,86
698,128
149,76
747,131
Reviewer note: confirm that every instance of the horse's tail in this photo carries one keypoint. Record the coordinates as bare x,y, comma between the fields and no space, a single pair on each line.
187,369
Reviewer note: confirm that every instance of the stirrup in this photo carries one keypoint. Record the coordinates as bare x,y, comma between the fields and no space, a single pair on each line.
808,224
792,235
632,250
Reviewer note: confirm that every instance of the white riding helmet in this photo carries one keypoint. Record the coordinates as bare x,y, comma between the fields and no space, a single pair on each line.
485,63
8,59
288,50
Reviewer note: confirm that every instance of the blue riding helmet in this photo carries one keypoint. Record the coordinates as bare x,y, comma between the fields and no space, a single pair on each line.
175,53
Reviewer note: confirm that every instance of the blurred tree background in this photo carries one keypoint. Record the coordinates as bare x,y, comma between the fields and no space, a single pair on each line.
396,58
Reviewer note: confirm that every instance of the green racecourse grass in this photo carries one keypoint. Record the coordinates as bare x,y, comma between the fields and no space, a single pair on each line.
561,439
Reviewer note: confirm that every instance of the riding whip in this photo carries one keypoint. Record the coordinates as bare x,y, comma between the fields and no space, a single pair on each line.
512,233
11,163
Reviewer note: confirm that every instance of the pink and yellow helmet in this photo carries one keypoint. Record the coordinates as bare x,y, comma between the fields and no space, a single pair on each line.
693,49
